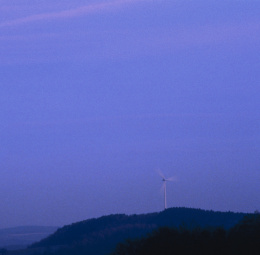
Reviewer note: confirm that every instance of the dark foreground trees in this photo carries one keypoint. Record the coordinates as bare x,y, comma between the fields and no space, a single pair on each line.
3,251
244,238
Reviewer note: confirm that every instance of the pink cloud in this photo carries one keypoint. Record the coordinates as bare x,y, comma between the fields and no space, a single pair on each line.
83,10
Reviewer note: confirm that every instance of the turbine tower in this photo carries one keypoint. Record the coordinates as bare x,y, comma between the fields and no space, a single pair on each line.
165,180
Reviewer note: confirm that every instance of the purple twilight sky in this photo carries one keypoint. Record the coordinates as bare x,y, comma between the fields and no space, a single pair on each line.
96,95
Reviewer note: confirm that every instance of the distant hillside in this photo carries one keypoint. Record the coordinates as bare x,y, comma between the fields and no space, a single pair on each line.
23,236
100,236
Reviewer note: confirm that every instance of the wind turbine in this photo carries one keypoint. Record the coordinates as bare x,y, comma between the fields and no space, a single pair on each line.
165,180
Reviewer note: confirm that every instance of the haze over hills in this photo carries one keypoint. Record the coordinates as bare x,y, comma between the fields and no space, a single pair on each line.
19,237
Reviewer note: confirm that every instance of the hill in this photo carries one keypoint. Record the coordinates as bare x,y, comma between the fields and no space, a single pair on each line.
242,239
99,236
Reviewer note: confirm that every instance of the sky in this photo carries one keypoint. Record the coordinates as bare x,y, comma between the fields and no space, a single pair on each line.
96,96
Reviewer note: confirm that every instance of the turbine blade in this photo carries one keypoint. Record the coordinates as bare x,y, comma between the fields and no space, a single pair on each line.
171,179
160,173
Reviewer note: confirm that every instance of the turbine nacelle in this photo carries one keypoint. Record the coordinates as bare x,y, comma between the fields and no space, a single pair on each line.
168,179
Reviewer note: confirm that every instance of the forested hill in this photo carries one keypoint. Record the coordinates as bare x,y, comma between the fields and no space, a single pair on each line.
100,235
241,239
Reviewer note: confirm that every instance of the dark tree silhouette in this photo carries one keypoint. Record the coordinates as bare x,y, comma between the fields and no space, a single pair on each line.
242,239
3,251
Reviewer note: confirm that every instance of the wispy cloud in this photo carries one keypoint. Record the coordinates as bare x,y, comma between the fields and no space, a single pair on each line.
98,46
80,11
